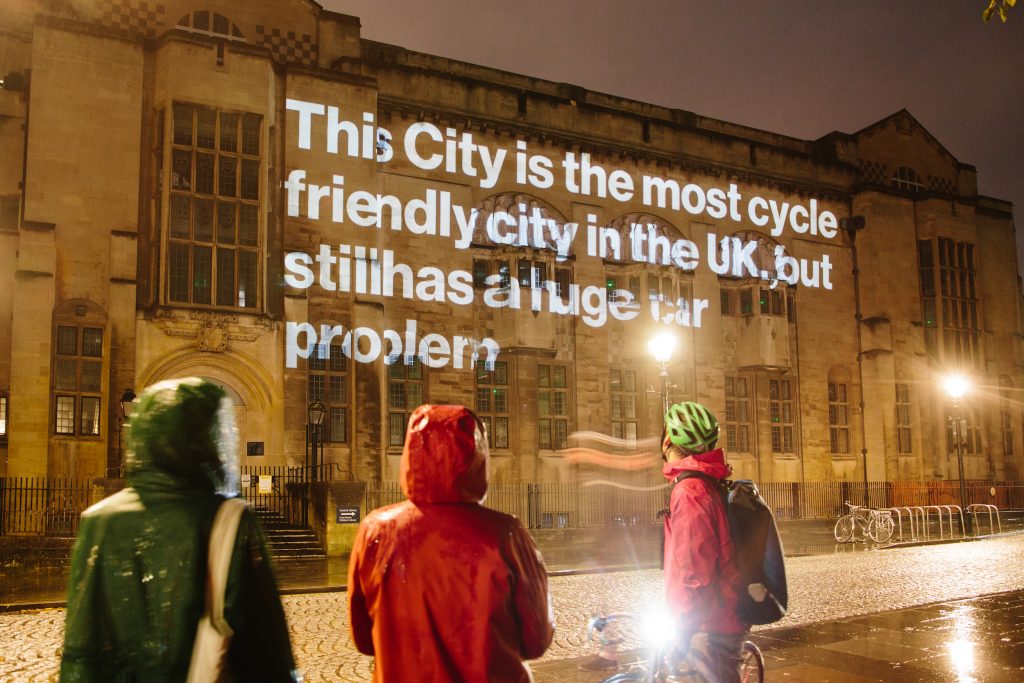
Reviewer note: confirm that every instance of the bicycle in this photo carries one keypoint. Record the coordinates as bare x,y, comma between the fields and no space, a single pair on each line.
659,666
877,525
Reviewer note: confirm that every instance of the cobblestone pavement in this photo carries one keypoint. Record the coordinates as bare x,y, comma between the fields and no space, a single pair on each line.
822,587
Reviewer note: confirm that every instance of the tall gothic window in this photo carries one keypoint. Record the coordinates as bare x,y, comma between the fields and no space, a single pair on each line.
903,428
327,382
213,246
737,414
493,406
77,380
623,396
553,404
780,403
405,393
949,301
839,418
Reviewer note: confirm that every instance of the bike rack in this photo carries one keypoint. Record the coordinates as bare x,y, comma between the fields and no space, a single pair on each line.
922,521
973,508
949,509
912,517
938,512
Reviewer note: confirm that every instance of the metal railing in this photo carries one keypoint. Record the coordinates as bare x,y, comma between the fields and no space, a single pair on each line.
42,507
37,506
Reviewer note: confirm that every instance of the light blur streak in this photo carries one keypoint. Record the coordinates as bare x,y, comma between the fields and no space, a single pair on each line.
638,461
631,444
628,487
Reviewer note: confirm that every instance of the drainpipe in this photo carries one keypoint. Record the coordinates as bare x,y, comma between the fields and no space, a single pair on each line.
851,226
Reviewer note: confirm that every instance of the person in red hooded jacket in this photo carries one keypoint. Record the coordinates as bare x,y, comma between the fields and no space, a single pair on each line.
441,588
700,566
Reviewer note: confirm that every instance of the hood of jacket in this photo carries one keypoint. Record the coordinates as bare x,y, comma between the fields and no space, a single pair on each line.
711,463
181,437
445,456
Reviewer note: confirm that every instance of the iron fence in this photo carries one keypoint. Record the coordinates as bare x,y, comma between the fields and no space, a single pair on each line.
41,506
280,490
575,505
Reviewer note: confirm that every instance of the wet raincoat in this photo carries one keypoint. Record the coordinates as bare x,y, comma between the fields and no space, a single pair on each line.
700,569
441,588
138,568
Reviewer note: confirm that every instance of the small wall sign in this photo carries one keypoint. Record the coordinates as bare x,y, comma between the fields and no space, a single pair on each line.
348,515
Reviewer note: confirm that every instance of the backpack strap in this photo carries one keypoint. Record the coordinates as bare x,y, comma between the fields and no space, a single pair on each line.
720,485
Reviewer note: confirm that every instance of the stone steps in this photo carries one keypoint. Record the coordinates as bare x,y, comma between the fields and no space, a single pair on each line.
288,542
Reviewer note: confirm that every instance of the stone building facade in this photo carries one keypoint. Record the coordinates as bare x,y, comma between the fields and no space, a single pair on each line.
145,226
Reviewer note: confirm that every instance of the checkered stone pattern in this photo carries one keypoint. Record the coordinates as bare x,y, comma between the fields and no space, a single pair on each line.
874,172
288,46
944,185
140,18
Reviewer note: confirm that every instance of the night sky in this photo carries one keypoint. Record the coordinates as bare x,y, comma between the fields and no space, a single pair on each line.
794,67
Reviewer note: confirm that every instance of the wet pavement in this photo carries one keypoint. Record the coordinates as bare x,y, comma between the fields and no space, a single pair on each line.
979,639
623,548
832,633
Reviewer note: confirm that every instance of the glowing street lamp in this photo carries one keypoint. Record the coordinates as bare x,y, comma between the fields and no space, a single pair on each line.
956,387
661,347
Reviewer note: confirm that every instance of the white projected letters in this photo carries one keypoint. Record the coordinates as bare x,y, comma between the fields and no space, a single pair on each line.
356,268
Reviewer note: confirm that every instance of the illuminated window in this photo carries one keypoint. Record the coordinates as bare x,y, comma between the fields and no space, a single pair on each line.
213,249
737,414
3,417
903,430
327,382
553,398
906,178
492,402
405,394
780,405
838,419
77,380
623,396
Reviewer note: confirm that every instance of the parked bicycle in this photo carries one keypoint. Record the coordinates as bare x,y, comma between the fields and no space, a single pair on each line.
660,665
877,525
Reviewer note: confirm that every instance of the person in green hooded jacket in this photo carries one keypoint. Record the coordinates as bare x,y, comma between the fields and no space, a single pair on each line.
138,569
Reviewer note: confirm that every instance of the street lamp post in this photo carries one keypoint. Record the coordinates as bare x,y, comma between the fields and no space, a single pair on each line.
126,403
315,415
956,386
661,347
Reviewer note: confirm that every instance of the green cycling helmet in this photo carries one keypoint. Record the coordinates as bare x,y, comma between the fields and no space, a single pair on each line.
692,427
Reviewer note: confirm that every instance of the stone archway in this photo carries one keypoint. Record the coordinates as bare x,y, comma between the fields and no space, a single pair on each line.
249,390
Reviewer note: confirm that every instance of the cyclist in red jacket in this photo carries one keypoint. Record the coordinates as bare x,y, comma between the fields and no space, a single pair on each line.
700,569
442,589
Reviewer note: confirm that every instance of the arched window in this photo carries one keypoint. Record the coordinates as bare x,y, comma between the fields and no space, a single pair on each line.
906,178
210,23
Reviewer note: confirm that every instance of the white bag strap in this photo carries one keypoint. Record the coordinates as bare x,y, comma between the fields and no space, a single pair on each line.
222,544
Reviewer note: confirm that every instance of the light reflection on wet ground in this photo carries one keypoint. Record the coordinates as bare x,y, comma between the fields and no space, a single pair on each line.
967,641
616,548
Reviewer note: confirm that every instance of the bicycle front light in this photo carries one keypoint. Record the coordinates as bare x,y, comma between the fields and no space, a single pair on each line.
657,626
